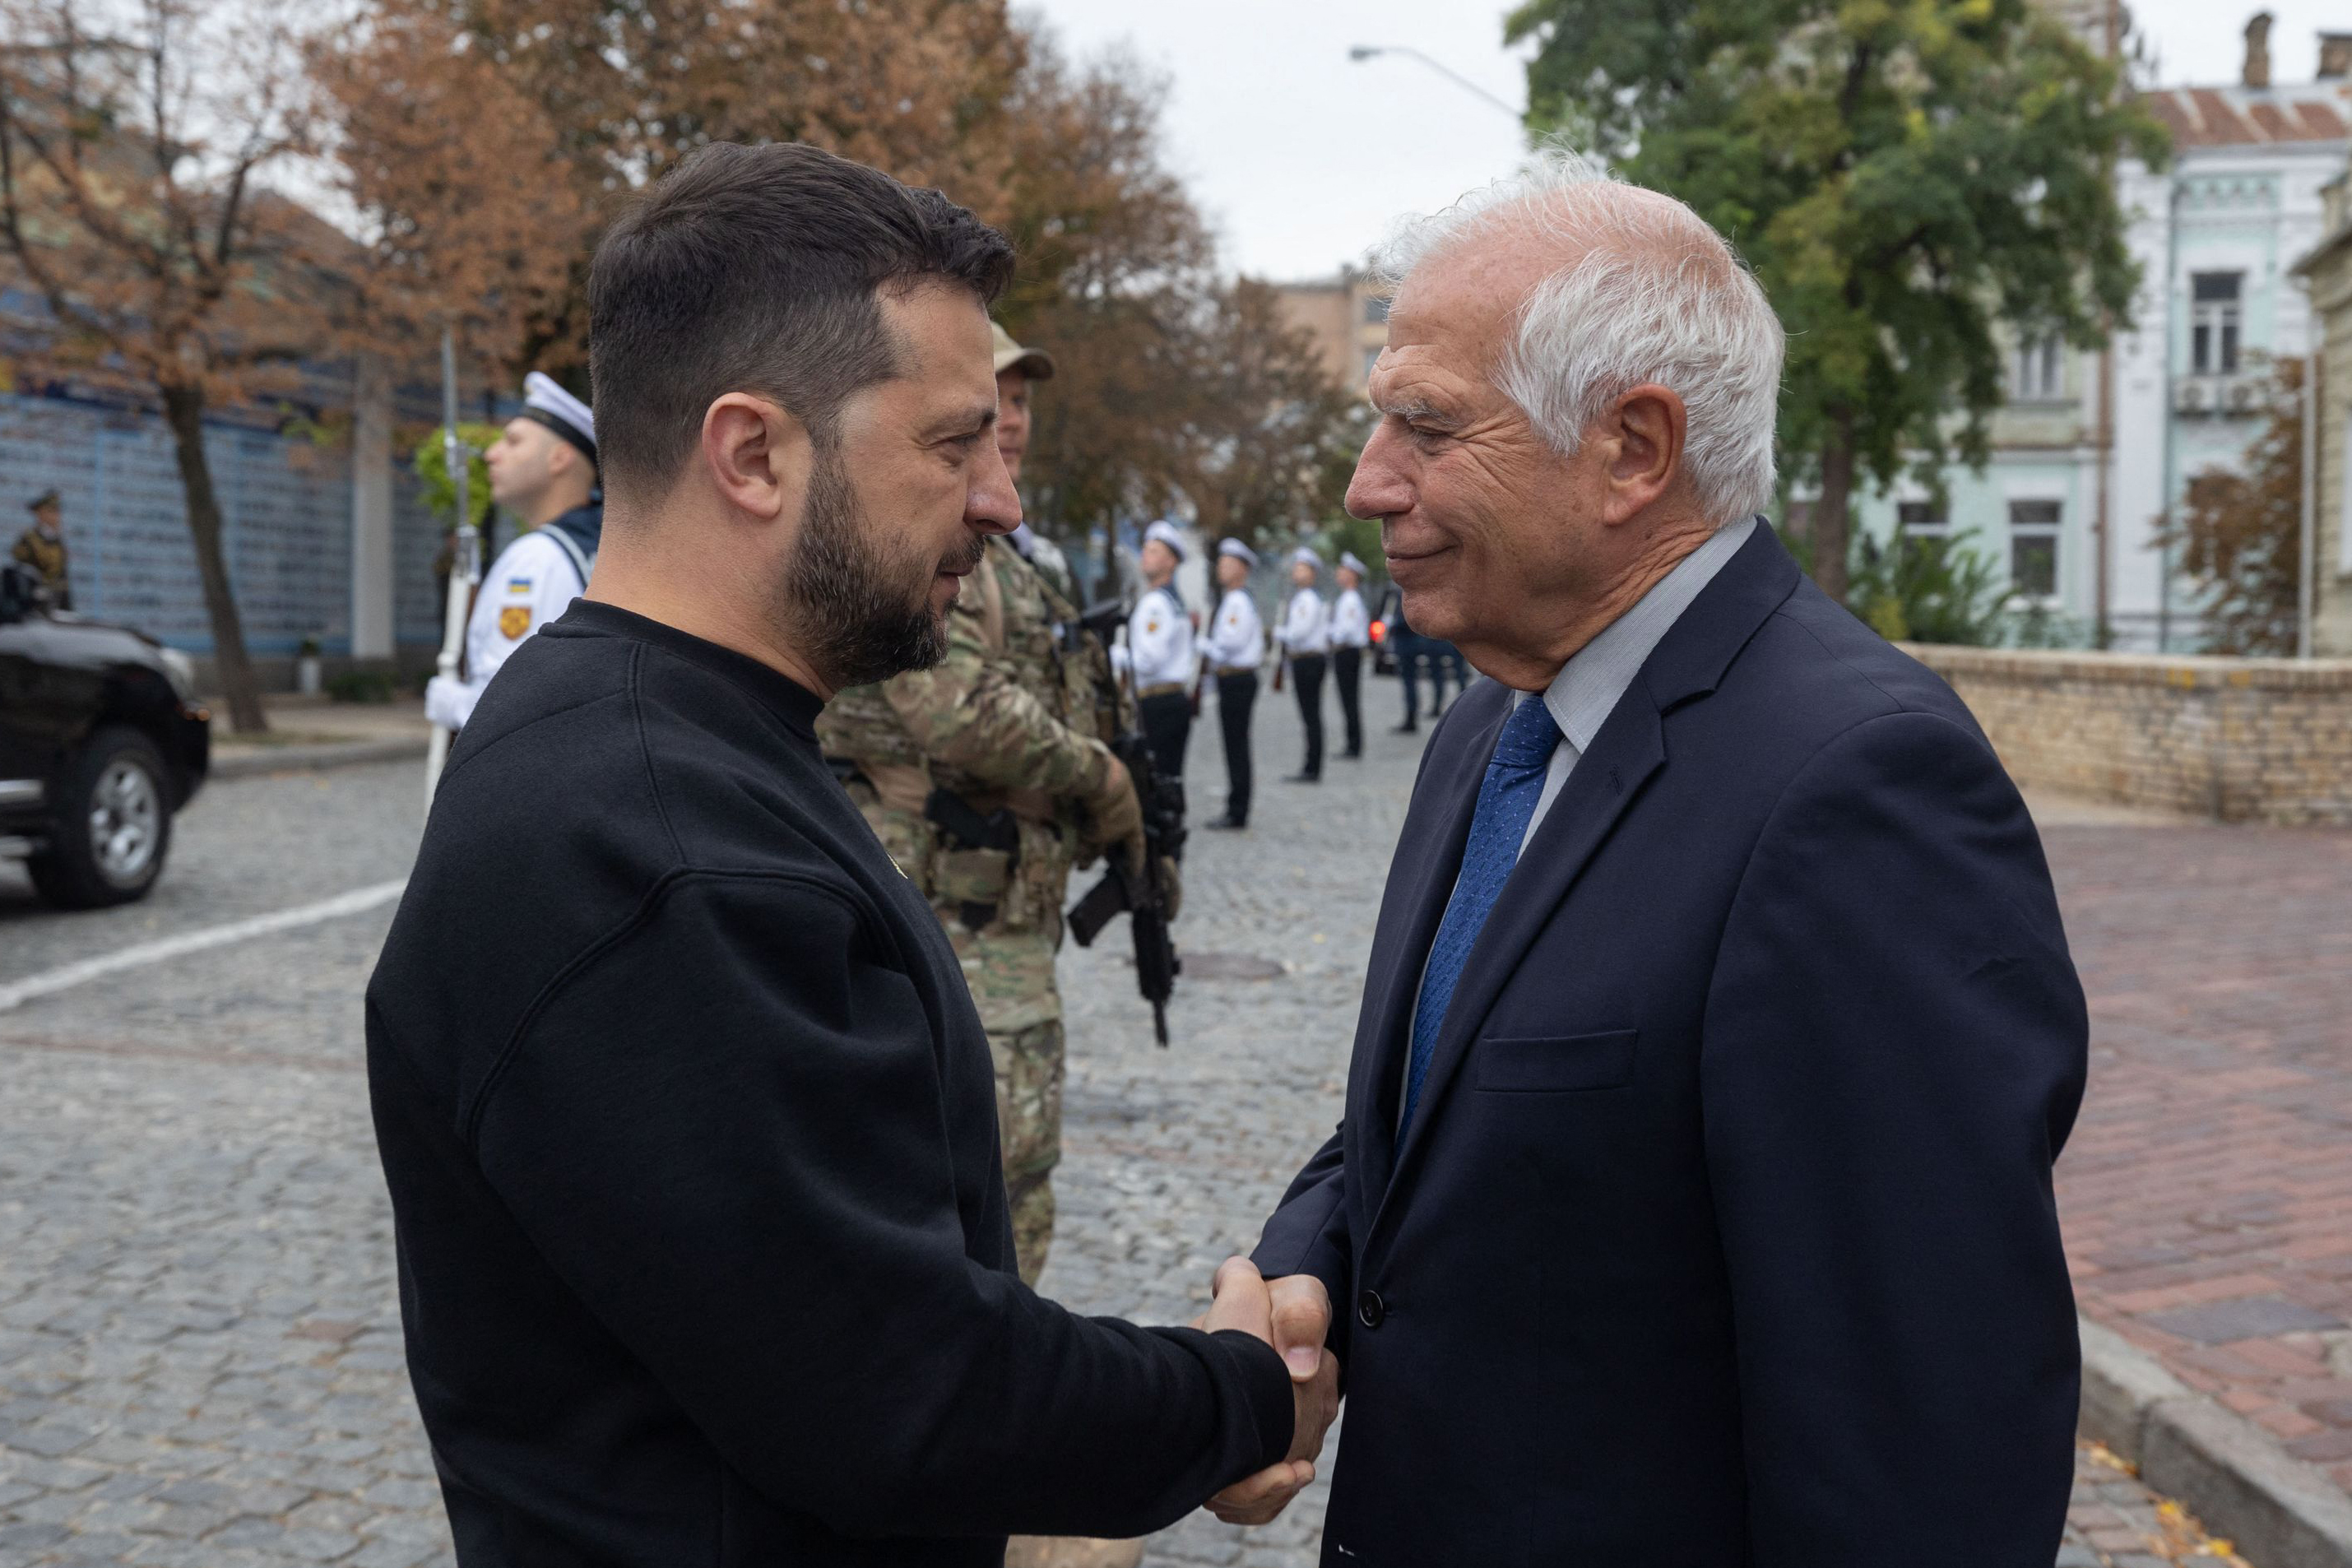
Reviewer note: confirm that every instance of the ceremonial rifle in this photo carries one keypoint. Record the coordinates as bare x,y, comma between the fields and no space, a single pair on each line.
1141,893
466,562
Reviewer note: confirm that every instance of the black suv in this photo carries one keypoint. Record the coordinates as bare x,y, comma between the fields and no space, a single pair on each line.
101,739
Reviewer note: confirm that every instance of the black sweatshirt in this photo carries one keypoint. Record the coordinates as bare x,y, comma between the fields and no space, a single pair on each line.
690,1130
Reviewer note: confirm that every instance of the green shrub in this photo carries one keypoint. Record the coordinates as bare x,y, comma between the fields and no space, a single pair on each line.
363,686
1928,590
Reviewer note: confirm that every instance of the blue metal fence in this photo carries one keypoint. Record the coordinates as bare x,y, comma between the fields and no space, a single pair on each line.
286,503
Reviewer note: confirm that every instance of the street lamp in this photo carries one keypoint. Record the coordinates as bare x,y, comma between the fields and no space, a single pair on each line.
1363,52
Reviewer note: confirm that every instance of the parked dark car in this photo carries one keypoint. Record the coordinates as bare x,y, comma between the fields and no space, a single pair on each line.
101,741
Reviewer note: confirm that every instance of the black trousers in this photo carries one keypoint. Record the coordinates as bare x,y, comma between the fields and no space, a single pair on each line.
1167,721
1237,700
1407,651
1307,675
1347,665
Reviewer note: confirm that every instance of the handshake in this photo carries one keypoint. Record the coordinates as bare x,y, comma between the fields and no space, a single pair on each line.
1293,1314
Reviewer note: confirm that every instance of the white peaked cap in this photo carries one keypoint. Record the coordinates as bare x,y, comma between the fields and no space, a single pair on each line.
551,405
1348,558
1238,550
1165,531
1302,557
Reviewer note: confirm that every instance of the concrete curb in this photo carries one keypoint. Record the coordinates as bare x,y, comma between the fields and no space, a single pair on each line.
246,764
2279,1511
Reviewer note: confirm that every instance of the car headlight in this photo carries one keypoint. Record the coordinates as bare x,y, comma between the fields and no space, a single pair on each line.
181,671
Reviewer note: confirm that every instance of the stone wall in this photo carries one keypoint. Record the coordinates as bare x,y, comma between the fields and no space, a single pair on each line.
2238,739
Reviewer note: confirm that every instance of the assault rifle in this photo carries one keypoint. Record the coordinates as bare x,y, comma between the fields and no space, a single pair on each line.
1140,893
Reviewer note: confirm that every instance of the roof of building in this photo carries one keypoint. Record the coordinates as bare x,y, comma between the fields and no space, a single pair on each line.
2237,116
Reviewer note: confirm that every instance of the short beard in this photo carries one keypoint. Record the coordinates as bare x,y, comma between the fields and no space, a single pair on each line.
846,603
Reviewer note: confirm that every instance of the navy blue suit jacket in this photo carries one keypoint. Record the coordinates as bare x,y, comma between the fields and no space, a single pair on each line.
1724,1231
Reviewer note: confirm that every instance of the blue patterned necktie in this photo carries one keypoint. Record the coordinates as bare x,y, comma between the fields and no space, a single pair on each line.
1507,802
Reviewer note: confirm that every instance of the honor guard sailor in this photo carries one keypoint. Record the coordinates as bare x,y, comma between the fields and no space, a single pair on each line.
1233,648
1306,639
1159,653
543,469
1351,634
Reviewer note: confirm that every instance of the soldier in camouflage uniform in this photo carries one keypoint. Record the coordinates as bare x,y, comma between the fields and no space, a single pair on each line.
998,738
43,548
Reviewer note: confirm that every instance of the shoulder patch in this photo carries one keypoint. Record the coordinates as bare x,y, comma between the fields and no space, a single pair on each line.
514,621
517,584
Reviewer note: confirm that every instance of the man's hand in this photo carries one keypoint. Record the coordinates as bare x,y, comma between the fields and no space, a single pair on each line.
1293,1315
1171,885
1116,813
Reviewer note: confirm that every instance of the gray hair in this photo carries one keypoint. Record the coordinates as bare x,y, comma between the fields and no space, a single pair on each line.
1648,292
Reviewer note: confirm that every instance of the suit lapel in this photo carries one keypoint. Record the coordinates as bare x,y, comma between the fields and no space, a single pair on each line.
1429,856
1687,663
1629,747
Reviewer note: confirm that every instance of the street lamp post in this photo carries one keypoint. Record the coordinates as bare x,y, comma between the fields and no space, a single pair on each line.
1363,52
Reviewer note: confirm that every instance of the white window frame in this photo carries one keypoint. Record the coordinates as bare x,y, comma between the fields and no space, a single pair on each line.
2222,321
2037,370
1937,527
2054,531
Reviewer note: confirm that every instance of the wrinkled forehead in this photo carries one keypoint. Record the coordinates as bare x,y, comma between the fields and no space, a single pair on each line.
1454,314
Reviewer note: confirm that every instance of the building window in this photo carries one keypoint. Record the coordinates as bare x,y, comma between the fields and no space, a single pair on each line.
1376,308
1921,519
2037,370
2033,548
2213,318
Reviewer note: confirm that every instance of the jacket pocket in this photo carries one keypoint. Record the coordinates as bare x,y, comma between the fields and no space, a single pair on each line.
1554,1063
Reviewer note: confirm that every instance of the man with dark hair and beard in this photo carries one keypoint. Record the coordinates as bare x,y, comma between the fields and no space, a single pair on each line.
704,1249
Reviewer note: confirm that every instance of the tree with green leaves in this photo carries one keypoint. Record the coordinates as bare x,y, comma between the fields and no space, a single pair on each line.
1909,178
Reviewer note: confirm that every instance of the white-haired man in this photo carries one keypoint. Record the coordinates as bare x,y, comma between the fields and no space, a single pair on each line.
1693,1202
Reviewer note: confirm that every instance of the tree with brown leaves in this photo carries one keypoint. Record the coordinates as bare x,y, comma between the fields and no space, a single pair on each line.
132,146
2240,532
138,143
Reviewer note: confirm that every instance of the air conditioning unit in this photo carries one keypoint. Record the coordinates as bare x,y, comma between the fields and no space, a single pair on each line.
2244,396
2189,397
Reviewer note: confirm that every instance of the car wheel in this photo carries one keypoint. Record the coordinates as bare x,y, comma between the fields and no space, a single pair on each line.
113,824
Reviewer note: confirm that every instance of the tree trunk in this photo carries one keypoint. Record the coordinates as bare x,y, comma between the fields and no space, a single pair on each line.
1832,513
184,409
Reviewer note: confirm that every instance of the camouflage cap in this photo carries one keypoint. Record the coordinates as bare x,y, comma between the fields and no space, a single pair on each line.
1034,363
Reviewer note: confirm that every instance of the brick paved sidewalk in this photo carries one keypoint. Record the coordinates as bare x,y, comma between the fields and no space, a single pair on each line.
2207,1194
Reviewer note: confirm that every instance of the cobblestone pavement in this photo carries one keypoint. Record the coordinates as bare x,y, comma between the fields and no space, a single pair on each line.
199,1345
2208,1192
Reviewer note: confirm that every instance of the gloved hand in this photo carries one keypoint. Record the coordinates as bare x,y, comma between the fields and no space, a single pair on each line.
449,703
1171,884
1115,814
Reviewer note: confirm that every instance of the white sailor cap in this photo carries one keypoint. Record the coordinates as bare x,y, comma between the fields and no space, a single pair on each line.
1238,550
1348,558
544,403
1302,557
1165,531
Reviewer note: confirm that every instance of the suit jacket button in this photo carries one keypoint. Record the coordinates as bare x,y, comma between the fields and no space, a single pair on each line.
1370,1309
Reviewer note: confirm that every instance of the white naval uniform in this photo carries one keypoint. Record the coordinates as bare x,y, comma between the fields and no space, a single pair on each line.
1236,638
1352,624
1305,625
533,581
1159,650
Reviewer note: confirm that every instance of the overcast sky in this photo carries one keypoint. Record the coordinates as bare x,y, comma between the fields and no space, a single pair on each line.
1302,158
